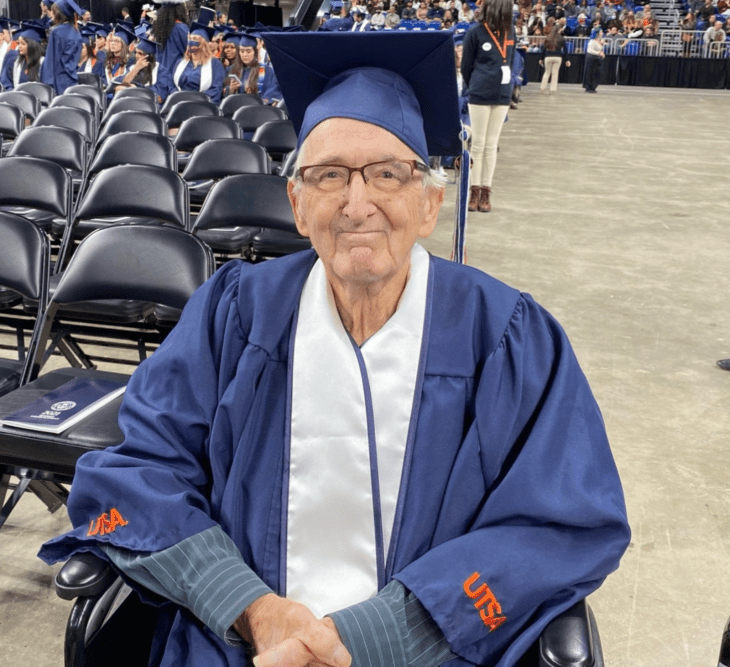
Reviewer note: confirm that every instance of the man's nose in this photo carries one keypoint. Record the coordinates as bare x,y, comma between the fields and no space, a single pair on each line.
358,204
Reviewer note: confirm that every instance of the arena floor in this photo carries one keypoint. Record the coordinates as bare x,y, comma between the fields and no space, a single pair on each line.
612,210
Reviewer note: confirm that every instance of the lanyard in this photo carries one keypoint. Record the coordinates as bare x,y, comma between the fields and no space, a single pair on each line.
501,48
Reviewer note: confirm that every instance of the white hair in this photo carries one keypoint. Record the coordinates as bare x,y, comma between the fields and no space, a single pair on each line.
431,179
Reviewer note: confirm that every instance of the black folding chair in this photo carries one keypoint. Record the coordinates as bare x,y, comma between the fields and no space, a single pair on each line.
12,123
238,208
158,264
133,121
130,104
73,119
42,91
251,117
90,90
182,111
178,96
195,131
217,158
90,79
232,103
76,101
144,93
278,138
30,104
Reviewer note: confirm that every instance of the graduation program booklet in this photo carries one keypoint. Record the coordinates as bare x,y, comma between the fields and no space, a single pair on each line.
65,406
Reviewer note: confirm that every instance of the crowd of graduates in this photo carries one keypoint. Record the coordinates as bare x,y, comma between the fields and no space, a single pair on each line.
164,51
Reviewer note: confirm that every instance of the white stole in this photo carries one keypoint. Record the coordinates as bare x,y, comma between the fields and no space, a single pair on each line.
206,74
332,553
18,70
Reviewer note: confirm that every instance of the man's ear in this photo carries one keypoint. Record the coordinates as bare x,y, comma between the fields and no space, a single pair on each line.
294,199
434,200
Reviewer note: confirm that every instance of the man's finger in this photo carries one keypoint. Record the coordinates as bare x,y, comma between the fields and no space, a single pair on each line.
324,643
290,653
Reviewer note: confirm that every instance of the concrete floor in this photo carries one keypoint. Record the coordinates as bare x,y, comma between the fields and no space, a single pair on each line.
612,211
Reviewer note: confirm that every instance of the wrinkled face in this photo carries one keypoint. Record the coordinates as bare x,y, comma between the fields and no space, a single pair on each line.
362,235
248,55
22,47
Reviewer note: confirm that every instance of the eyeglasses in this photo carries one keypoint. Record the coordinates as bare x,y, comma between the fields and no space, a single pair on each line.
383,176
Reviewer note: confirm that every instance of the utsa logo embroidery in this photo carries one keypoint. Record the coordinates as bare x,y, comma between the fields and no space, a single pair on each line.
106,523
490,613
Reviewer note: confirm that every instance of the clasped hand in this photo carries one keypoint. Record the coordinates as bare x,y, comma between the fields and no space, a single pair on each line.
285,633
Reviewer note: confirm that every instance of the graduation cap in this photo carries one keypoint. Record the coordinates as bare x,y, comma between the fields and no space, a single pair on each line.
69,7
248,39
206,15
4,24
201,30
147,46
401,81
124,33
87,36
140,31
48,3
30,33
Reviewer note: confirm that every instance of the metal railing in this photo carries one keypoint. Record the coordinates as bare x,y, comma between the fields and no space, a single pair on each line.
669,43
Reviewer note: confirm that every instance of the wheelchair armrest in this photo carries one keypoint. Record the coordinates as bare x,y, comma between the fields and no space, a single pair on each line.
571,640
84,575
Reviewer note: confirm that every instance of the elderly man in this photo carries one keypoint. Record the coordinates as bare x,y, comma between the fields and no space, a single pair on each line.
367,455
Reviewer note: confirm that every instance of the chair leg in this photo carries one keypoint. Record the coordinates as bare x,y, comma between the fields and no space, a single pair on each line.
53,495
4,485
10,505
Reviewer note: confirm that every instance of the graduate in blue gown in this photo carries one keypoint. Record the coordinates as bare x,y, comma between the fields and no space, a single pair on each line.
60,67
198,69
23,64
367,433
89,62
257,77
147,72
170,30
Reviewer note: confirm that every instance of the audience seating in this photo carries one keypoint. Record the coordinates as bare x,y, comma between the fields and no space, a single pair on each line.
73,119
119,104
179,113
278,138
168,266
144,93
42,91
133,121
30,104
76,101
95,92
232,103
195,131
12,122
90,79
178,96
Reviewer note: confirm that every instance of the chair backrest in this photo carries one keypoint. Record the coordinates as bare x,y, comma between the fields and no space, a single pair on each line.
158,264
130,104
252,117
90,79
12,121
90,91
74,119
42,91
178,96
133,121
276,136
232,103
140,191
194,131
184,110
134,148
251,200
30,104
35,183
76,101
218,158
144,93
65,147
24,257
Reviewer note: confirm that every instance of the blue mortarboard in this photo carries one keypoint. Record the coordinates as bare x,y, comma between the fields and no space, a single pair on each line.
201,30
401,81
68,7
247,39
30,32
147,45
140,31
87,36
48,3
124,33
206,15
4,24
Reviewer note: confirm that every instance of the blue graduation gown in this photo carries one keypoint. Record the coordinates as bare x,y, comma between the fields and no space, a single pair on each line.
175,47
60,68
6,75
507,474
190,79
97,68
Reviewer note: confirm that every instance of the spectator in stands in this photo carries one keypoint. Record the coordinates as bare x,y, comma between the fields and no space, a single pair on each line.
126,17
647,17
377,20
714,39
391,17
583,8
434,10
24,64
582,29
88,61
486,61
422,12
554,49
409,11
570,8
257,77
688,25
170,31
146,72
594,59
466,13
613,40
198,69
706,11
723,8
64,47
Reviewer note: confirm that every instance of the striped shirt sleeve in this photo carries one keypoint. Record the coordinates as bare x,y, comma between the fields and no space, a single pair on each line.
392,629
204,573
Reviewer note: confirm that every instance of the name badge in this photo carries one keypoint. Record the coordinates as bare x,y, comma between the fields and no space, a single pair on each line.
506,74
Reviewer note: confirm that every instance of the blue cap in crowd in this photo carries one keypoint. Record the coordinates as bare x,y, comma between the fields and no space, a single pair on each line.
206,15
124,33
247,39
69,7
401,81
204,31
30,32
147,46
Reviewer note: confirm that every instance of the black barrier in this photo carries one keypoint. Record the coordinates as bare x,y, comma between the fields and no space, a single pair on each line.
648,71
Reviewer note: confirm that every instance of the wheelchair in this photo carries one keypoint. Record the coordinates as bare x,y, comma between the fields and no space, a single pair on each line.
109,626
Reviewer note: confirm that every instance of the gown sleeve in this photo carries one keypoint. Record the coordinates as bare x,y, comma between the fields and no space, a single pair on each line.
552,522
270,92
215,91
164,85
175,47
6,76
164,457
